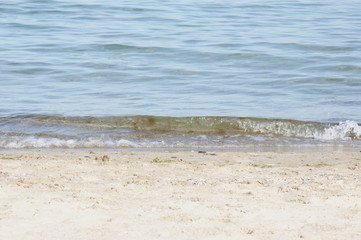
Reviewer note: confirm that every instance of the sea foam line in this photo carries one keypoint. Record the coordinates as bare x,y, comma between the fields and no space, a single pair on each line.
40,142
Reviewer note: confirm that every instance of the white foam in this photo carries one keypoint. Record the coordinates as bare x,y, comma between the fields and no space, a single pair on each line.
348,130
39,142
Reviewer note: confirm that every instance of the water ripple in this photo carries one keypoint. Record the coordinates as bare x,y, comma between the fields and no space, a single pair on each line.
292,59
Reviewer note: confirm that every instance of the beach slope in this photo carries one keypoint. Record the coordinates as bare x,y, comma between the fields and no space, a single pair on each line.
94,194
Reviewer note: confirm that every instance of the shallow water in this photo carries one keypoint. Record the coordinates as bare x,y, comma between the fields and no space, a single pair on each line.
296,60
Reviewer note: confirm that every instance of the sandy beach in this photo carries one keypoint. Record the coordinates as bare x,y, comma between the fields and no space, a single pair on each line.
96,194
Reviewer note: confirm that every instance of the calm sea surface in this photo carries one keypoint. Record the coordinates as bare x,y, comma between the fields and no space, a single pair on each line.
83,73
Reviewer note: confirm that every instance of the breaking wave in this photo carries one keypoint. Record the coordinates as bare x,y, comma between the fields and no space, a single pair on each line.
157,131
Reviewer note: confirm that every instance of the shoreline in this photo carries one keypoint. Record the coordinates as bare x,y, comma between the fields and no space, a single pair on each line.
103,194
244,148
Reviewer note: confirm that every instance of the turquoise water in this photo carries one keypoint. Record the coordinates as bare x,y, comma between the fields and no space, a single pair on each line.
299,61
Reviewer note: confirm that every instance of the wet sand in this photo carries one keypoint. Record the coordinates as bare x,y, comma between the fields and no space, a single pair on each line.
95,194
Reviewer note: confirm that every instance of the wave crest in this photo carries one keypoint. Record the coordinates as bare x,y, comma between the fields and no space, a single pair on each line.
348,130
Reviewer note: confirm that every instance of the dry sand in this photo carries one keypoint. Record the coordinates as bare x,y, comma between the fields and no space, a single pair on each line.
179,195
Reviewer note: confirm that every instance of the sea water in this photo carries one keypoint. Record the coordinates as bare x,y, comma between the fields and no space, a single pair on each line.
179,73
